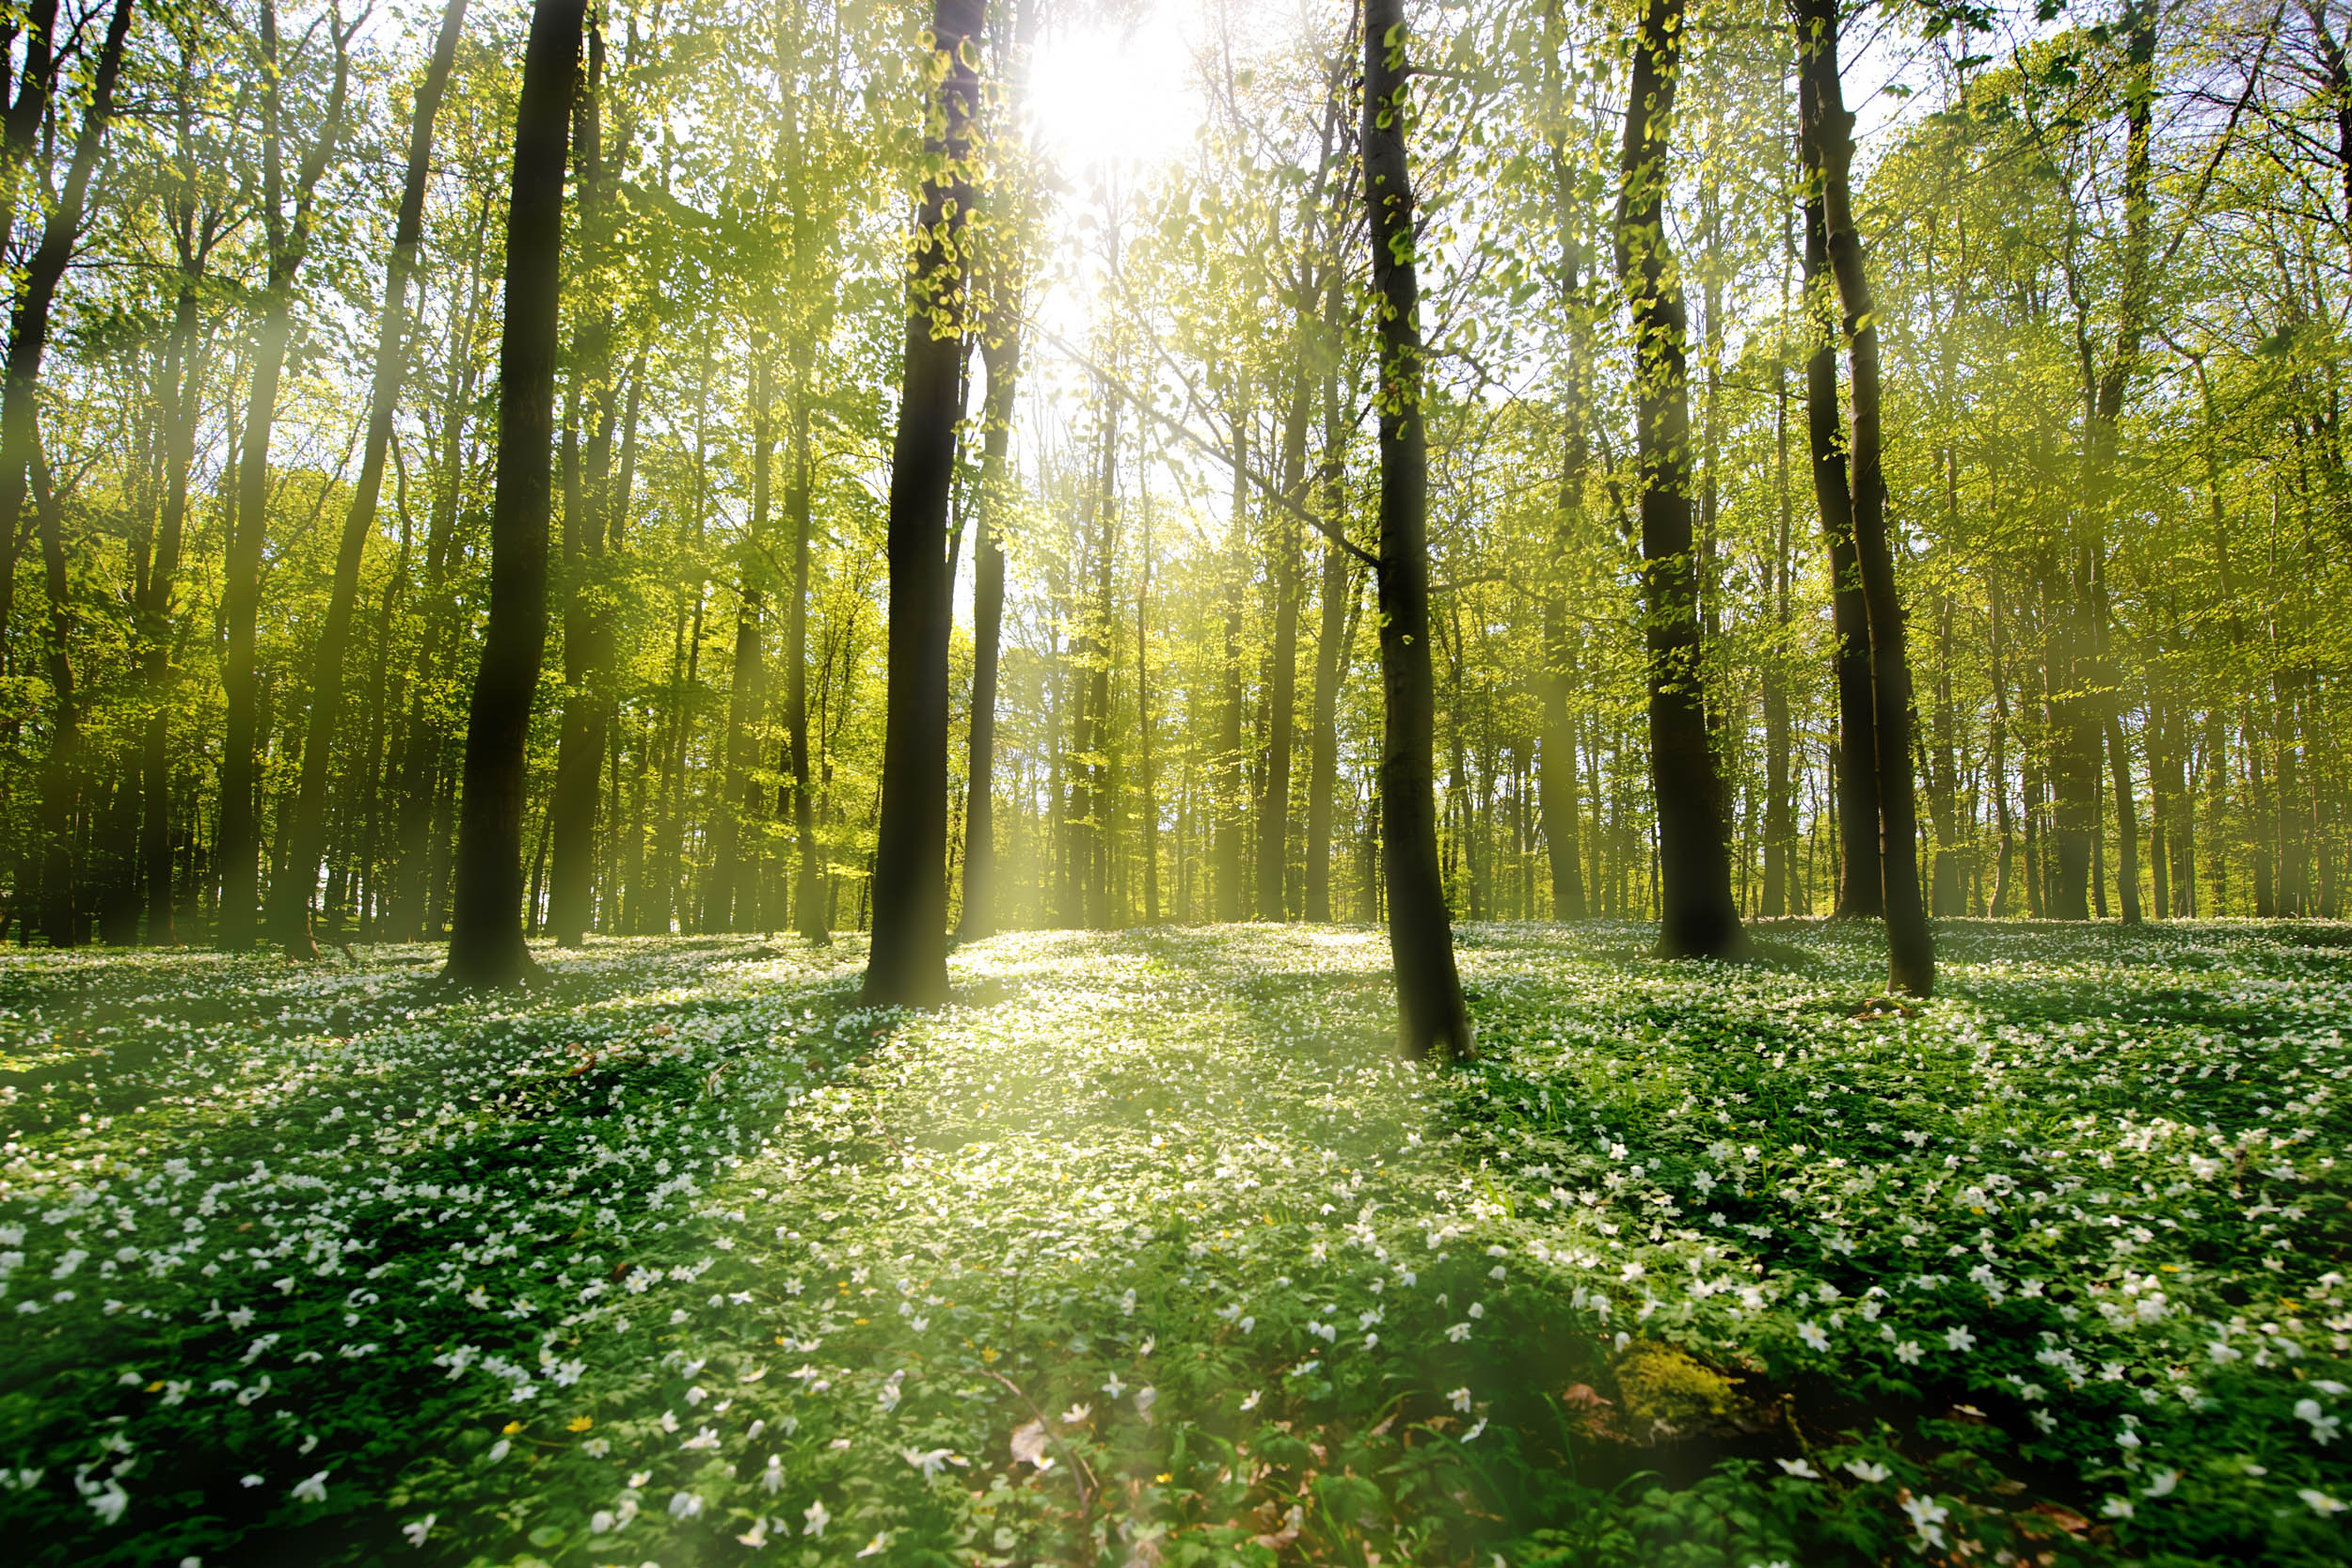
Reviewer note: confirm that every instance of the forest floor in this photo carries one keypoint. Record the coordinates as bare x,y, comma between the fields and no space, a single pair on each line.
1150,1251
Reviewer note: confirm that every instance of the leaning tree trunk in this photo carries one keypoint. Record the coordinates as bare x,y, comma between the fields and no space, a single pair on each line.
28,334
1431,1017
1696,915
1859,895
485,943
307,840
907,965
1828,133
239,846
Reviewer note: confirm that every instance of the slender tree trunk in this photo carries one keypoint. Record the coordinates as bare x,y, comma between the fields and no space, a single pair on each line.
61,775
288,245
1431,1017
1697,918
1273,802
29,325
907,965
589,517
1997,769
486,936
1828,135
1332,642
292,897
1230,787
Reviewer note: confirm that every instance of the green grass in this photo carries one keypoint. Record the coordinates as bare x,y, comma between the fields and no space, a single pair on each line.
1149,1252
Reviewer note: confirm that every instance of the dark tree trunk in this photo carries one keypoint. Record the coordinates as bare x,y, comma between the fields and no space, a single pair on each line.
907,965
28,331
485,945
1780,821
1332,645
1997,768
1431,1018
1697,918
292,897
1859,883
1828,134
241,589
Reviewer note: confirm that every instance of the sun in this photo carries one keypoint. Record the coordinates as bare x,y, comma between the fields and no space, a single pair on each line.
1109,94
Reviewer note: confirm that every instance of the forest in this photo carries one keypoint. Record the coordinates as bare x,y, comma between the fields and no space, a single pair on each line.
1027,702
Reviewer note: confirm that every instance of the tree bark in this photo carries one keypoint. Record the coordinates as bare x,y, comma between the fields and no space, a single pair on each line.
292,897
907,964
1431,1017
1828,134
1696,916
485,945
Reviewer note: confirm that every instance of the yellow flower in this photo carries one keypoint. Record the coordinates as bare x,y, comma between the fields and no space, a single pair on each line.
581,1423
155,1386
989,1354
510,1429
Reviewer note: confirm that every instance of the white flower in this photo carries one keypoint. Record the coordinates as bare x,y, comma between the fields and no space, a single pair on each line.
1145,1399
815,1519
1802,1469
2161,1483
1926,1518
2117,1508
1249,1400
685,1505
2320,1503
1472,1436
109,1503
930,1461
600,1522
1908,1353
1813,1337
757,1535
880,1544
1075,1413
1461,1398
310,1489
1959,1338
419,1530
1866,1470
1457,1332
1114,1387
500,1450
772,1476
705,1438
2323,1426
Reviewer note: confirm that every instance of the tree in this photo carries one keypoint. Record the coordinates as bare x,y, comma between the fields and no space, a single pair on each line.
1431,1017
907,965
1697,918
1827,133
485,943
293,893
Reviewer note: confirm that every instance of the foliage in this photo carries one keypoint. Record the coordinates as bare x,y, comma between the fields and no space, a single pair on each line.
1147,1249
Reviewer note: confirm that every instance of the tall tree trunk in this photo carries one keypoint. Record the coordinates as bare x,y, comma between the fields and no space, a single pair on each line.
1697,918
1780,819
293,897
1332,645
1998,770
1273,802
589,519
1828,132
29,327
1228,788
907,965
241,591
61,775
485,945
1431,1017
807,897
732,898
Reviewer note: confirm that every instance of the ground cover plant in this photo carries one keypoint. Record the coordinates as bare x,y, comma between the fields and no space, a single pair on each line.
1150,1250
